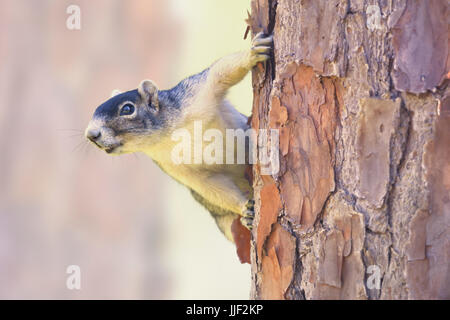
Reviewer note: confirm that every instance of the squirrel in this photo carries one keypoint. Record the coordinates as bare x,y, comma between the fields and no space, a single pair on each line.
143,120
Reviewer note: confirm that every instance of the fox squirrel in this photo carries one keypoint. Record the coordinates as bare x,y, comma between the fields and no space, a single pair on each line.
144,120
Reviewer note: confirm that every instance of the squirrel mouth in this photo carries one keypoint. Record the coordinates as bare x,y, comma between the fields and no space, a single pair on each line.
108,149
111,149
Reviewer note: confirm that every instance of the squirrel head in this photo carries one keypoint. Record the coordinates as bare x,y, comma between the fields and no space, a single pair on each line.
126,121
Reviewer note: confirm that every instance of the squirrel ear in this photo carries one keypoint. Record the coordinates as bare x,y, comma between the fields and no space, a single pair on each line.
115,92
149,92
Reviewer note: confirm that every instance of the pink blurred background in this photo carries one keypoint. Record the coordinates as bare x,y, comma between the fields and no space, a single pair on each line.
133,232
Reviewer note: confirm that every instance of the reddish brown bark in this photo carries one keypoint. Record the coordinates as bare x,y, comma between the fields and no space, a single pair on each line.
364,179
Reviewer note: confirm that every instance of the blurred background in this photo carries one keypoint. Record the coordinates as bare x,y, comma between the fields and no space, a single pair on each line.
134,232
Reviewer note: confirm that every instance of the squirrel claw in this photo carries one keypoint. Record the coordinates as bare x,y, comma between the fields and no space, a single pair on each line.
247,222
262,39
261,48
250,206
248,214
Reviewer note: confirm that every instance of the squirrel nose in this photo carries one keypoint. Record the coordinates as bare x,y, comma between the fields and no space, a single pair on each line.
93,134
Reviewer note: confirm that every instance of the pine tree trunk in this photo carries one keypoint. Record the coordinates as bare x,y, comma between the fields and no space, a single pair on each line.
360,207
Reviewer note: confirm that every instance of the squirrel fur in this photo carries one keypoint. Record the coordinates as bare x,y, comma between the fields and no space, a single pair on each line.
143,120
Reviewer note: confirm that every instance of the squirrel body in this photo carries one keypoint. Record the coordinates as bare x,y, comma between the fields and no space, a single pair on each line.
144,120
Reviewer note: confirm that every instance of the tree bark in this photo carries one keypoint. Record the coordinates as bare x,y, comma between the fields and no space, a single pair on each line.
360,207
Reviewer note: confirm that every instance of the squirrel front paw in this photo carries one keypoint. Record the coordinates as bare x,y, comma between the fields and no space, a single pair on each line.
260,50
248,214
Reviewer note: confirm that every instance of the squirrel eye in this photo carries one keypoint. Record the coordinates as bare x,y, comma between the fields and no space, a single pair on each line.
127,109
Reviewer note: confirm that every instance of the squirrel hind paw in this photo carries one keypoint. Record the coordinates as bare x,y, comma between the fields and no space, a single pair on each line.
248,214
250,205
247,222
